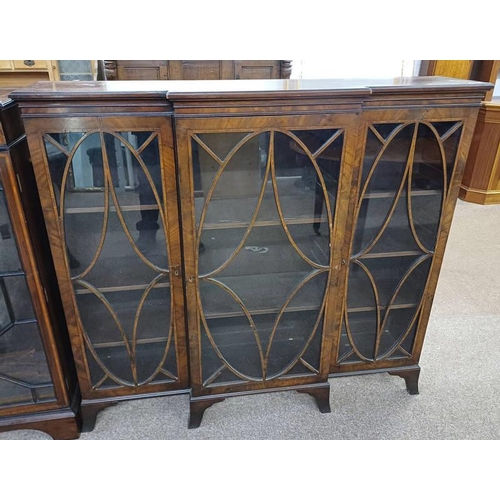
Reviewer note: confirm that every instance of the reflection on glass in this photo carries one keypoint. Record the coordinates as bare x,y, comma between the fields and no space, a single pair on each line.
265,203
24,373
109,187
406,173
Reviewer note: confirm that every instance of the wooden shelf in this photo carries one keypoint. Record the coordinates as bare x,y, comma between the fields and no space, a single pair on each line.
123,288
391,194
261,312
277,254
112,208
393,237
242,208
105,345
92,201
273,291
294,208
265,223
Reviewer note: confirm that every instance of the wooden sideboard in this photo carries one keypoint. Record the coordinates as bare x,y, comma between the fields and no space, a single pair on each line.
38,388
225,238
196,70
15,73
481,181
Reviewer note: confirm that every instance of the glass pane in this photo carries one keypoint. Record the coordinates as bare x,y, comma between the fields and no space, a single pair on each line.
17,291
384,171
112,199
397,220
23,366
396,326
359,335
24,373
6,313
12,393
264,203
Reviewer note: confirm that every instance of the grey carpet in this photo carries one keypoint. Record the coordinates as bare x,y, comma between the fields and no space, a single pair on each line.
459,384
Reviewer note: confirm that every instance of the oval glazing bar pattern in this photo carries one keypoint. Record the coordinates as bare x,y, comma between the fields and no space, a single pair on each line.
110,202
264,204
404,186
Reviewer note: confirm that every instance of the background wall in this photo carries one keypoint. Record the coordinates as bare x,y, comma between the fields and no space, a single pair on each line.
354,68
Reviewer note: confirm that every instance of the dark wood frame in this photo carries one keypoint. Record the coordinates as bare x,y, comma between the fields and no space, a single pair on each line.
60,418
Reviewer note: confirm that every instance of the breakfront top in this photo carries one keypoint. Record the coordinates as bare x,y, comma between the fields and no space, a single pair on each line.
244,89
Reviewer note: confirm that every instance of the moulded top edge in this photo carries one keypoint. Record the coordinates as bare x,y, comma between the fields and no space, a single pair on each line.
74,90
228,89
5,100
417,84
242,89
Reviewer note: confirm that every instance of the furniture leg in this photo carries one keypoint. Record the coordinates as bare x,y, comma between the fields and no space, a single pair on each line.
411,378
60,429
321,393
197,409
89,415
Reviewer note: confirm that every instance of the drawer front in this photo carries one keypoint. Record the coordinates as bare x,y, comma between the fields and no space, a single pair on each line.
30,64
5,64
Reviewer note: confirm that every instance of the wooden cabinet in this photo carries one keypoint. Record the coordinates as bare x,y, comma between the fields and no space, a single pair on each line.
37,378
22,73
196,70
227,238
481,180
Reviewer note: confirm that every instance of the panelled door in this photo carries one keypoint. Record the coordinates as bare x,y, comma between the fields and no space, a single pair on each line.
263,213
108,192
402,208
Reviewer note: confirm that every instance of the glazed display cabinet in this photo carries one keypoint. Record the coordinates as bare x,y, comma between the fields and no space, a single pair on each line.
37,379
230,238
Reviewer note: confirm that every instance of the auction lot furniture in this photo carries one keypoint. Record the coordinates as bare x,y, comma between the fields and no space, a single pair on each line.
233,237
37,376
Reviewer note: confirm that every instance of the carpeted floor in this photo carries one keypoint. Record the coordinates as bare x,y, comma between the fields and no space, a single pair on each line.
459,384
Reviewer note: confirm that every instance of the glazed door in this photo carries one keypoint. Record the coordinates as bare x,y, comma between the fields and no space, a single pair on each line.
26,383
261,218
109,197
402,209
